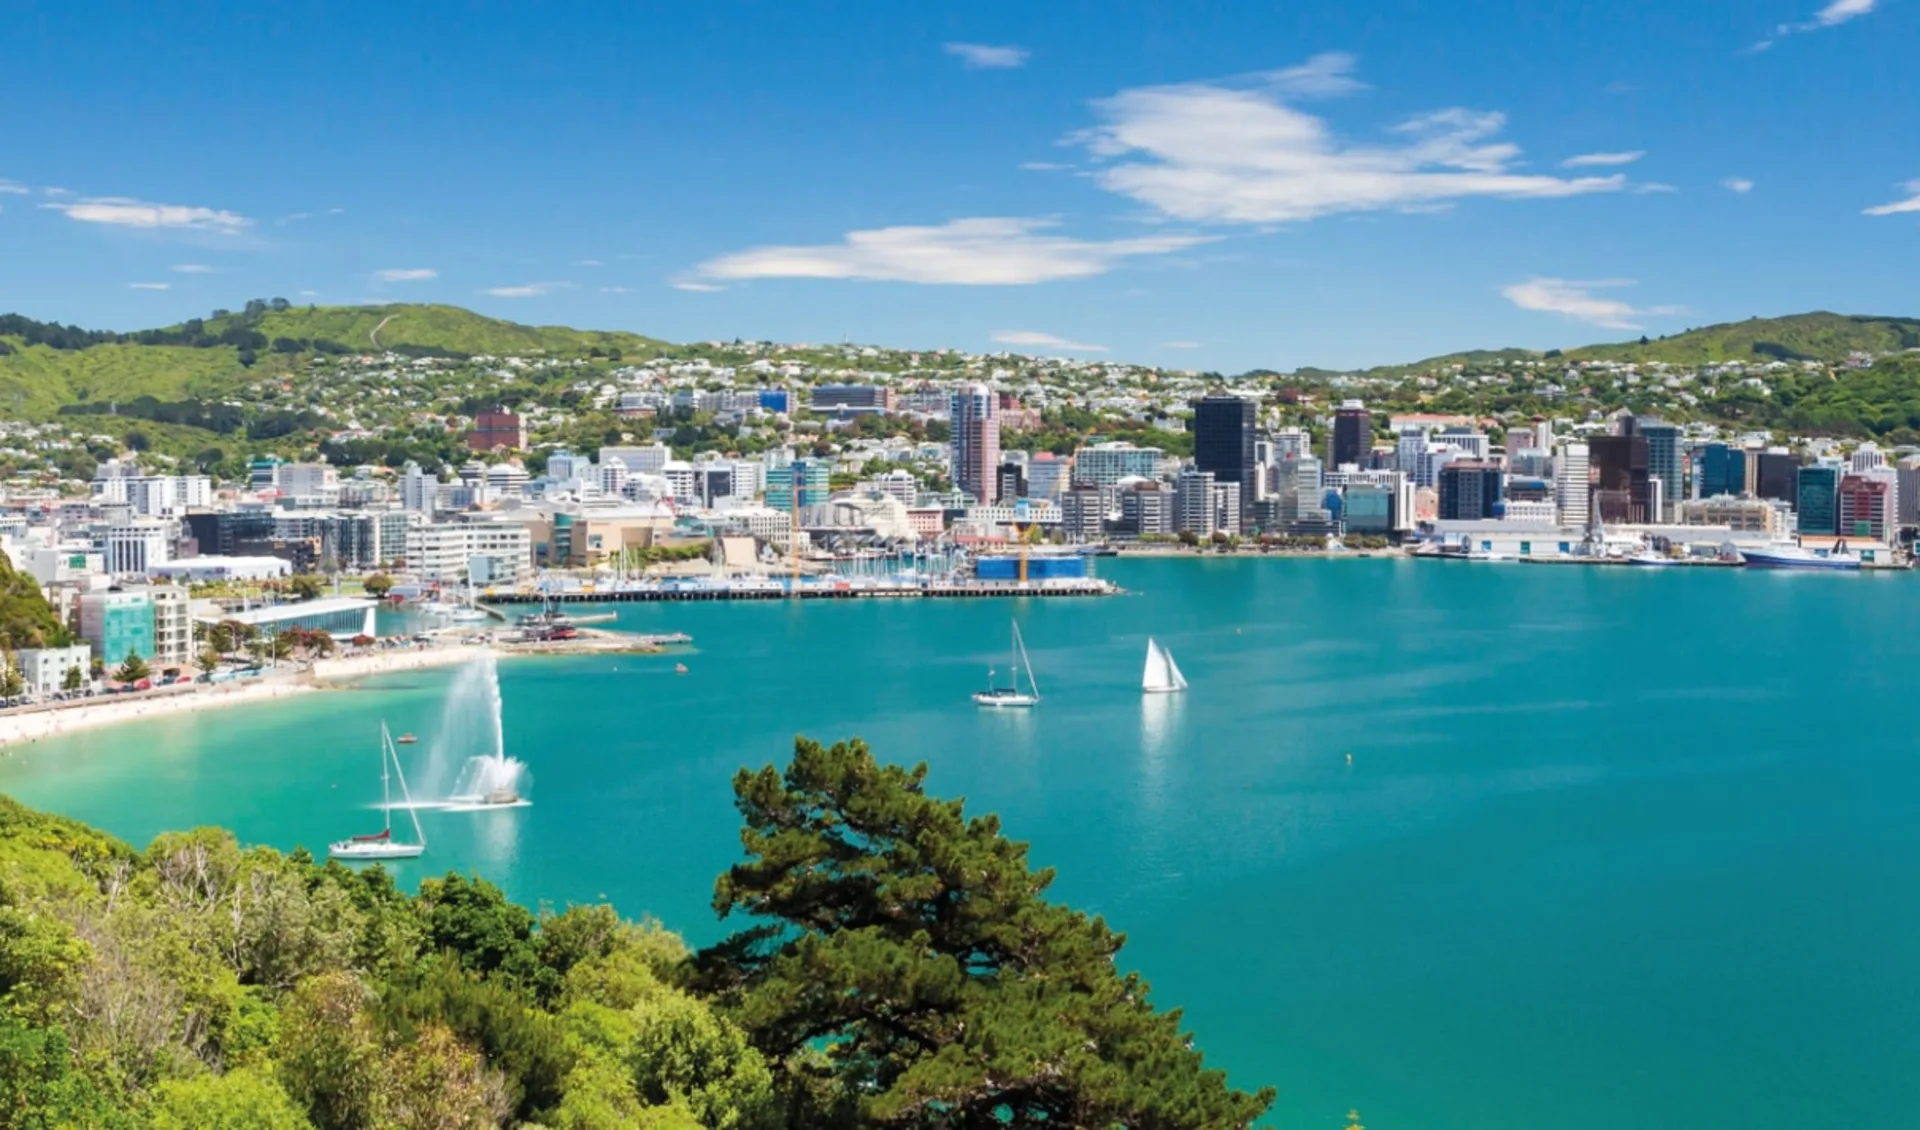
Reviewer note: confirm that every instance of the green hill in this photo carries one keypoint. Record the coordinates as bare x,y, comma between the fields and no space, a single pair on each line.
427,328
1818,336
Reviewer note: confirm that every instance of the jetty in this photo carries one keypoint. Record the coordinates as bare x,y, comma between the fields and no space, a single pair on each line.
829,588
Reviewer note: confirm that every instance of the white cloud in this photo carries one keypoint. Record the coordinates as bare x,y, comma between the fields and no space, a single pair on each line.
406,274
1590,160
1326,75
1045,166
1833,15
1899,207
193,268
698,287
1180,344
309,294
529,290
1575,299
986,57
1230,153
982,251
149,286
1740,185
122,211
12,188
1034,339
1652,186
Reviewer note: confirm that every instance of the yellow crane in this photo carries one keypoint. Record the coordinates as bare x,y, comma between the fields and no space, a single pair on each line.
1026,534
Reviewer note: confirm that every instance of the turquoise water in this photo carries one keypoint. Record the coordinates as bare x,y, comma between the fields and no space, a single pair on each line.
1616,849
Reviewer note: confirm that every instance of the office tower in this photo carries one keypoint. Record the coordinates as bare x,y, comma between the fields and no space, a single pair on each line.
1719,469
1777,476
1817,489
974,413
1663,463
1223,428
1352,440
1470,490
1474,443
1573,484
1288,443
1012,482
1866,509
1620,488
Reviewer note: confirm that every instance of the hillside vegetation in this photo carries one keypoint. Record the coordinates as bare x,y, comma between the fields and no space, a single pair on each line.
442,329
1819,336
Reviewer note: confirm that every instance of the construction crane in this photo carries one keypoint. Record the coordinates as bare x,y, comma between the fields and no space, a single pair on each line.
1026,534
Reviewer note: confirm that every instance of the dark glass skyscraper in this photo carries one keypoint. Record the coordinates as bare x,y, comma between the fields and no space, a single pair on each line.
1818,489
1621,489
1223,428
1720,470
1778,476
1352,436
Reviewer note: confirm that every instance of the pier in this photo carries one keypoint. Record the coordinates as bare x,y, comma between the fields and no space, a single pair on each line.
832,589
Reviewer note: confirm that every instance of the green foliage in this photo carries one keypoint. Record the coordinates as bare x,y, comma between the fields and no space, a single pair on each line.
26,619
1818,336
377,585
132,669
239,1100
528,1044
40,1090
306,586
916,946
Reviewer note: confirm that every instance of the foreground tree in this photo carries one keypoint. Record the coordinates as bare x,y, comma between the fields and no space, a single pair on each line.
132,668
912,973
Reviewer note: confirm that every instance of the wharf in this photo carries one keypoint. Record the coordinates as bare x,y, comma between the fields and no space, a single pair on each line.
814,591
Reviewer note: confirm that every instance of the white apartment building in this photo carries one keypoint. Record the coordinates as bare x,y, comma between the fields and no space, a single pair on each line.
316,481
498,553
644,459
172,625
130,545
1573,484
417,489
44,669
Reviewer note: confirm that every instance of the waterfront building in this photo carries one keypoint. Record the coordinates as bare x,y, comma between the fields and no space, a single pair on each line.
1204,505
808,478
1737,513
220,532
1352,438
1573,484
1470,490
1106,464
1223,434
1621,490
1664,462
342,617
1368,509
1866,509
43,670
222,568
172,625
974,448
1907,476
116,624
498,429
1083,513
1535,512
1048,475
1146,507
1012,482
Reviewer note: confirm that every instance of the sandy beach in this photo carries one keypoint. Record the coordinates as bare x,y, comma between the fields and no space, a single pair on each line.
34,723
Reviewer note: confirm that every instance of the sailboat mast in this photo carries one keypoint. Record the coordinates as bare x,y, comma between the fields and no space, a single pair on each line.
1024,661
386,794
413,814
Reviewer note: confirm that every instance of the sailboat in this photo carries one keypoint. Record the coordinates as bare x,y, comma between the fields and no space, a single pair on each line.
381,844
1163,674
1011,694
468,613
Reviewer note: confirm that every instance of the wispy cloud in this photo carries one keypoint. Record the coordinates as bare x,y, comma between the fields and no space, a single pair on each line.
1833,15
1326,75
1740,185
987,57
294,217
1045,166
1034,339
149,286
1900,207
984,251
588,263
123,211
1652,186
1227,152
406,274
309,294
12,188
698,287
1575,299
1592,160
527,290
1180,344
192,268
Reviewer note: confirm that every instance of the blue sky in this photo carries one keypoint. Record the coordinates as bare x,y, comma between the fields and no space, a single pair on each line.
1208,186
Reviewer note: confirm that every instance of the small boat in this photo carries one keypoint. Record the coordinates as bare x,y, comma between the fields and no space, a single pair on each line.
1650,558
679,668
381,844
1798,557
405,739
1163,674
1011,694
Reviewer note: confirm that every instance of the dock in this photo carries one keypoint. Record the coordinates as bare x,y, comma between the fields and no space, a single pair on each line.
860,589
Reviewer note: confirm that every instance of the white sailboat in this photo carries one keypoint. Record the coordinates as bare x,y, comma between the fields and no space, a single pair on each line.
381,844
1011,694
1163,674
469,612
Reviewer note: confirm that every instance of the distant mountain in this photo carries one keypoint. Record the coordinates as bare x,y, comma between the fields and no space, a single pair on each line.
433,329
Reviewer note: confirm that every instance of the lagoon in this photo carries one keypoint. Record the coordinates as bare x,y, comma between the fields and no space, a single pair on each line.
1615,848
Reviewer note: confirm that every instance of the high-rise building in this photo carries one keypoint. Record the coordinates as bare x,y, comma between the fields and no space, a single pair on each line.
117,624
497,428
1048,475
1818,501
1105,464
973,411
808,479
1012,481
1223,433
1664,462
1719,469
1146,508
132,545
1866,509
1777,475
1474,442
1470,490
1352,440
1621,492
1083,513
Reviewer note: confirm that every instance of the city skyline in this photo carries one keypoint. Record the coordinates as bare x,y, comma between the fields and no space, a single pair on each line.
1211,191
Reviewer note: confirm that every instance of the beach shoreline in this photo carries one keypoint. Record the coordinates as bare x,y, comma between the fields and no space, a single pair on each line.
57,719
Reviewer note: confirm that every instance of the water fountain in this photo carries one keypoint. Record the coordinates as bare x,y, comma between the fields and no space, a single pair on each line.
467,764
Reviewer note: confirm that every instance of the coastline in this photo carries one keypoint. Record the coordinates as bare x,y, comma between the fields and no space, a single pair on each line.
33,724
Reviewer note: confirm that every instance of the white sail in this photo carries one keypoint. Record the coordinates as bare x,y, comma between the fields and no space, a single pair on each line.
1161,675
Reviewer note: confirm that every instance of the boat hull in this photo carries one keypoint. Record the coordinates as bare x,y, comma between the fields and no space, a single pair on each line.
369,852
1161,690
1005,701
1762,560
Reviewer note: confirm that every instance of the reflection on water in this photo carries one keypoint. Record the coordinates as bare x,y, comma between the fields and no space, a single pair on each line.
1160,716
